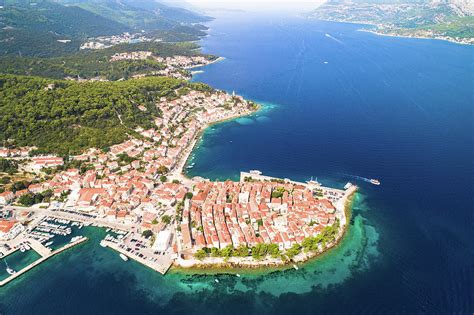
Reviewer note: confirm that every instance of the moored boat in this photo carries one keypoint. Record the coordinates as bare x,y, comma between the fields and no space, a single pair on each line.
11,271
124,258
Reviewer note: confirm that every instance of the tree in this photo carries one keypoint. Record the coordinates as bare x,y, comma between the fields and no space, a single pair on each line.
189,195
27,200
273,250
175,181
241,251
200,254
163,178
259,251
162,169
215,252
293,251
227,251
5,180
166,219
147,233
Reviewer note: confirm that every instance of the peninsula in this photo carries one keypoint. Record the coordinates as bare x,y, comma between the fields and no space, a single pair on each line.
138,190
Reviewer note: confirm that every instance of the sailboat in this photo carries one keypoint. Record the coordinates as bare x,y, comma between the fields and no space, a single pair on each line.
9,270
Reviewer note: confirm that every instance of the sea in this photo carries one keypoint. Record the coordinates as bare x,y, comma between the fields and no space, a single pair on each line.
338,105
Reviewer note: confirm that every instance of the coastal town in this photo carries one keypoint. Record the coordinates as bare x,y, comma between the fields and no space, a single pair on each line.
176,66
137,190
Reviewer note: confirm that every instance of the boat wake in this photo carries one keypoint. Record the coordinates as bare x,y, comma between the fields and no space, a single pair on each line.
368,180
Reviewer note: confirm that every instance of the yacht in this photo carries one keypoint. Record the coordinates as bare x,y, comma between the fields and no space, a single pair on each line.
374,182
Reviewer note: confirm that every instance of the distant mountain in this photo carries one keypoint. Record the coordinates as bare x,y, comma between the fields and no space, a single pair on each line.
139,14
47,28
58,19
44,28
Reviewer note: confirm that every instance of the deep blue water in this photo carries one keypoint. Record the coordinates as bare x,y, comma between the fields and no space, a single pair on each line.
337,101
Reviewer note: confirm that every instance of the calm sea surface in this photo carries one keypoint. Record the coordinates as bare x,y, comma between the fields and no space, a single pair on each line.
337,103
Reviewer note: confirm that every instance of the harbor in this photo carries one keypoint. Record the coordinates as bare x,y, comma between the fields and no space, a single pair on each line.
45,255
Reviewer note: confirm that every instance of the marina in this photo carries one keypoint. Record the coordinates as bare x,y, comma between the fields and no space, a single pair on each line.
44,256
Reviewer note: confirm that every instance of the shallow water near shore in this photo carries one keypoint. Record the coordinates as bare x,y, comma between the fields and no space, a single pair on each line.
395,109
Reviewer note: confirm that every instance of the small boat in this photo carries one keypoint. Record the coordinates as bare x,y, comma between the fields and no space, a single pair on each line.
27,247
238,275
374,182
11,271
296,267
124,258
48,244
22,249
102,243
216,280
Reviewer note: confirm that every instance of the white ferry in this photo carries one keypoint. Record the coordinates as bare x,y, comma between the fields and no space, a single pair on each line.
348,185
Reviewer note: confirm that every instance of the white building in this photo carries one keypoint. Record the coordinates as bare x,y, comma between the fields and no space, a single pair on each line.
10,229
162,242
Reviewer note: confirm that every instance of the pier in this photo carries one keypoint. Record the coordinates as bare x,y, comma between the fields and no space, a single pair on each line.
161,266
45,253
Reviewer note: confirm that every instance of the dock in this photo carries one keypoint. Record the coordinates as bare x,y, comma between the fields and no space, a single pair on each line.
39,248
161,266
45,255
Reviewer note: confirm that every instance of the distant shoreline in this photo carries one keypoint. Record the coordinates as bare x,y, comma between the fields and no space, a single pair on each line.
379,33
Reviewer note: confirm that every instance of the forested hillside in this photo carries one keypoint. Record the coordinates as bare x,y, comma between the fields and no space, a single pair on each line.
48,29
67,117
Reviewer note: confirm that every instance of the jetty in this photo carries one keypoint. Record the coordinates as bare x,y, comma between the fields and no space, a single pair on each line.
45,255
162,265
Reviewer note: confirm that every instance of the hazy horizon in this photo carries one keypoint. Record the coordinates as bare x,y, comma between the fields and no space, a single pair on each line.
256,5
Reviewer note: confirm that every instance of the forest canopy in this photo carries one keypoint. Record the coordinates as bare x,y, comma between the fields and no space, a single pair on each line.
66,117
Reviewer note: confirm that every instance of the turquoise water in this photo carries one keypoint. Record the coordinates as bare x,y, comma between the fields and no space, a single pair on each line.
396,109
17,261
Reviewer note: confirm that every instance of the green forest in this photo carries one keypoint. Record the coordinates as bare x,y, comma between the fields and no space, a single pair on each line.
66,117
